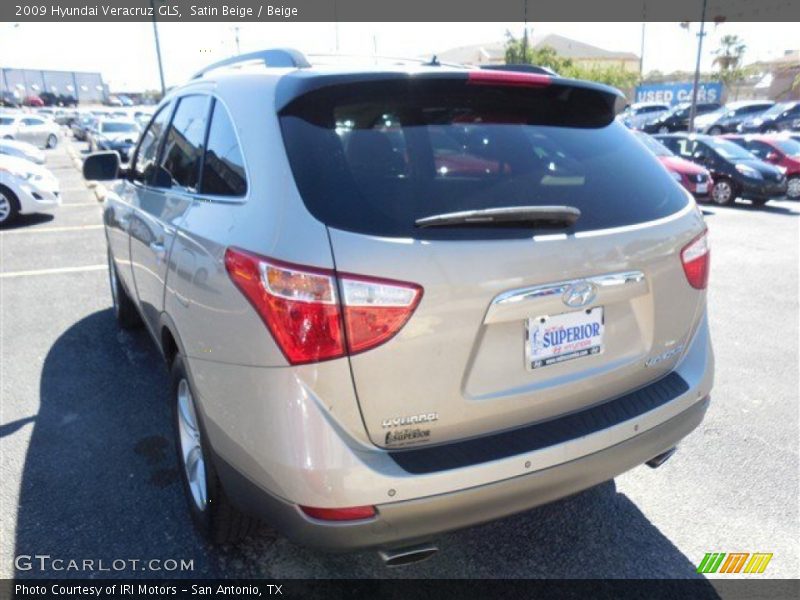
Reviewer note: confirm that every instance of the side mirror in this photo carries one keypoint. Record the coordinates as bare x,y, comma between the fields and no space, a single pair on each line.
101,166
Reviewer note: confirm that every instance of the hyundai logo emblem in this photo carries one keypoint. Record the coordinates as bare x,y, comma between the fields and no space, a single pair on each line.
579,294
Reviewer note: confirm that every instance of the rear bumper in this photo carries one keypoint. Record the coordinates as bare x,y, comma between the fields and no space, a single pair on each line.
406,522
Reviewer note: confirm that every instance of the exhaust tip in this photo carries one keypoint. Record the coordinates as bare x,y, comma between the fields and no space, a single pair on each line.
659,460
401,557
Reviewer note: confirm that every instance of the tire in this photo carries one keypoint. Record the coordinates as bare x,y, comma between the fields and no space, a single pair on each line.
124,309
724,192
9,206
211,510
793,188
52,141
714,131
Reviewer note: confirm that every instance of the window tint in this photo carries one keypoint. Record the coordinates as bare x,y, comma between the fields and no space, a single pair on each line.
6,120
223,167
143,168
374,157
31,121
180,162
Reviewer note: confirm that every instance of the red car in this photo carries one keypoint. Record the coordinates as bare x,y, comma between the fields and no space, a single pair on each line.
779,150
693,177
33,101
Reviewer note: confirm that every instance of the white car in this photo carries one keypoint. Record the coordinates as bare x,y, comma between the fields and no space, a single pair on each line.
35,129
25,188
22,150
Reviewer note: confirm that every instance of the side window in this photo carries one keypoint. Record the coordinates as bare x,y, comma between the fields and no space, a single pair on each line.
148,147
223,166
183,149
31,121
760,149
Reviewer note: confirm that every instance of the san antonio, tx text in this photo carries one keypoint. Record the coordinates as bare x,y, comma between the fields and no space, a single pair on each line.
58,589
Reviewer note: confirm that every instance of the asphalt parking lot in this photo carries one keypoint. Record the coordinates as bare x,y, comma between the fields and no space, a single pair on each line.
88,470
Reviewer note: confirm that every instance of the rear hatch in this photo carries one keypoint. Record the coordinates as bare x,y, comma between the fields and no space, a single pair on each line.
520,320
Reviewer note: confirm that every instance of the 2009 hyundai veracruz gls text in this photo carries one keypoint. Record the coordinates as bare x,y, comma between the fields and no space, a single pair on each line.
399,301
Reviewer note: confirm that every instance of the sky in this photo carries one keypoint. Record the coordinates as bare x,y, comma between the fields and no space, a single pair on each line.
125,52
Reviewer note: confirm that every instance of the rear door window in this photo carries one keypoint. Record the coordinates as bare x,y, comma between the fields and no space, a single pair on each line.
374,157
223,165
183,148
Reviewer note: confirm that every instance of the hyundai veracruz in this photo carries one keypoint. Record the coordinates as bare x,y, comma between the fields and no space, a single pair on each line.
400,301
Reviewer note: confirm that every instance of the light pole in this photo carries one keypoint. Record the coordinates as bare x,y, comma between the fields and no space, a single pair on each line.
158,49
236,34
693,109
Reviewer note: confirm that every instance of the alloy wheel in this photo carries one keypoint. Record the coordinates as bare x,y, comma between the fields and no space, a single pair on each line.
722,193
793,188
5,207
191,446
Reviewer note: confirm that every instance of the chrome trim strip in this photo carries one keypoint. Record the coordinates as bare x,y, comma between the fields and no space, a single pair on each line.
559,288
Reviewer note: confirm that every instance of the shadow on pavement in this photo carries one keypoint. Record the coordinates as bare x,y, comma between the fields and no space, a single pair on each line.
100,480
27,220
100,483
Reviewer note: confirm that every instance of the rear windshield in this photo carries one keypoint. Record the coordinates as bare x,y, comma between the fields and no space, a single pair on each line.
374,157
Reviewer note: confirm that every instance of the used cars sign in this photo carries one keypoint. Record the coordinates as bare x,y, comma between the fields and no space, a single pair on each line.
675,93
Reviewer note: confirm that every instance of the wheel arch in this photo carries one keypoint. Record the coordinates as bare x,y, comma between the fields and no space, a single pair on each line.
169,340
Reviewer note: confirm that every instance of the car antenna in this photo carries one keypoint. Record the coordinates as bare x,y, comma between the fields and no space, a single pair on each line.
434,62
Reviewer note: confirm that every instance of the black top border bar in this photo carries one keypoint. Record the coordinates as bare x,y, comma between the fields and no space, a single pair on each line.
397,10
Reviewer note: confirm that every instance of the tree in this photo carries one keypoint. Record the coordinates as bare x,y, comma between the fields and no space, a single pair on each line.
729,59
518,52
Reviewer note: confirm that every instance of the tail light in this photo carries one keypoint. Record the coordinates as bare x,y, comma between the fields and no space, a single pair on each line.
508,78
696,259
353,513
302,309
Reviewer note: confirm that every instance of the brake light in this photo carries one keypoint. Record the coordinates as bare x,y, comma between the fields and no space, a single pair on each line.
696,259
301,308
353,513
508,78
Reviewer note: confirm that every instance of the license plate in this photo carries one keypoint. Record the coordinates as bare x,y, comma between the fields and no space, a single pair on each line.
702,188
554,339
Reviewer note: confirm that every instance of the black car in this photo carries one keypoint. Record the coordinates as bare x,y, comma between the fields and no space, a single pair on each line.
732,115
119,135
781,117
736,172
677,119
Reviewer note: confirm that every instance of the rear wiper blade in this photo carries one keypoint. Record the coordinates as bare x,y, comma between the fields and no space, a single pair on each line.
543,216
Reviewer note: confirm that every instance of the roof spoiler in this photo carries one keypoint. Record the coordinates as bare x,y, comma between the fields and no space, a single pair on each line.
272,57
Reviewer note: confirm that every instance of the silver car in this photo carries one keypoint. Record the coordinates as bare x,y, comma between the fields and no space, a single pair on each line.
399,301
34,129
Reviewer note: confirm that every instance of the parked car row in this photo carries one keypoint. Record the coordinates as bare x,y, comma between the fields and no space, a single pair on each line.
735,171
747,116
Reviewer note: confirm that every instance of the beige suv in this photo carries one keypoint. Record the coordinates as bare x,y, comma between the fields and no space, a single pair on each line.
401,300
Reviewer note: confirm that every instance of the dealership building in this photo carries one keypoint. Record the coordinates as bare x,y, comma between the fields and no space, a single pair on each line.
87,88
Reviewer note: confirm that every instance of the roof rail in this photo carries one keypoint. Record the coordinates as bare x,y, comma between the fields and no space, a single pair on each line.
272,57
429,62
